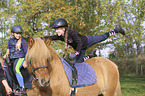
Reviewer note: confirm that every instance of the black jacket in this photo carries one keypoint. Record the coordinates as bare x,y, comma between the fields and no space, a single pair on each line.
77,41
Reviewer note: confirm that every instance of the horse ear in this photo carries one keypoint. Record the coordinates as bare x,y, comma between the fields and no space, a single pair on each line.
48,41
30,42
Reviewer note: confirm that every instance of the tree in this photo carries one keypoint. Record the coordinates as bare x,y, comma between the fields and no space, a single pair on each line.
92,17
134,17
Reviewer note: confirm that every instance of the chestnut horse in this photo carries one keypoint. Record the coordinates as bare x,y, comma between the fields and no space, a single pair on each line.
50,77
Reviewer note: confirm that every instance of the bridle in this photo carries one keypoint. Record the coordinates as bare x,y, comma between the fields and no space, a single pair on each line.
35,76
33,70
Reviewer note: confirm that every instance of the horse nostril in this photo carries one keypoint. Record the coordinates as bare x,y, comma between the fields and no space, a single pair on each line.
43,81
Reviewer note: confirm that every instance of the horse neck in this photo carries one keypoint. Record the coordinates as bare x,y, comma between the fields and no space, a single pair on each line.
56,65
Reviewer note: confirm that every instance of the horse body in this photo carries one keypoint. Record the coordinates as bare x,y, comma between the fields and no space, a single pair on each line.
52,80
107,79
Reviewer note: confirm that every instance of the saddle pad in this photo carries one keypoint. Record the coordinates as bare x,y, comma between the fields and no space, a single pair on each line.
86,74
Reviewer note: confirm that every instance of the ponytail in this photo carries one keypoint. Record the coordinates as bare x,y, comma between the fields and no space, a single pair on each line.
66,35
18,44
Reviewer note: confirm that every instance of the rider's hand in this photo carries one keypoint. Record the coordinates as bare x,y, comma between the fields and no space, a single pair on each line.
9,90
73,55
24,64
5,56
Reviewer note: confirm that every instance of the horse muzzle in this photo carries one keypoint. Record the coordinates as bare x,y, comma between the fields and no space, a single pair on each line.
43,82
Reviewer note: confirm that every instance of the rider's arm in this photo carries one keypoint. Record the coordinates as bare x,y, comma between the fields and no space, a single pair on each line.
24,64
54,37
4,81
7,53
7,87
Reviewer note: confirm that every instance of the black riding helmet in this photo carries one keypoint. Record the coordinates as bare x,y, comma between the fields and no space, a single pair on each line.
16,29
59,22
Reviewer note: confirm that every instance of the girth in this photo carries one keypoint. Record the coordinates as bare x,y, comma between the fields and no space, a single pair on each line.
74,77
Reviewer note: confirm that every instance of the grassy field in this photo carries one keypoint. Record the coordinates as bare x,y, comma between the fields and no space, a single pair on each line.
132,85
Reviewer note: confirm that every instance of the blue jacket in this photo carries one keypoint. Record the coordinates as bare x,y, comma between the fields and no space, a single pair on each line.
13,54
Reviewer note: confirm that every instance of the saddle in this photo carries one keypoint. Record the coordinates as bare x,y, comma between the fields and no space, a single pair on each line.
79,74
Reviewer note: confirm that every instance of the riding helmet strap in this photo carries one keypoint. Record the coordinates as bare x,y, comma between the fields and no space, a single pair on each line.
74,77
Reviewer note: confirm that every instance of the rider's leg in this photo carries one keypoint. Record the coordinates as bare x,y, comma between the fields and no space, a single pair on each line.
8,69
79,57
96,39
17,67
93,40
90,55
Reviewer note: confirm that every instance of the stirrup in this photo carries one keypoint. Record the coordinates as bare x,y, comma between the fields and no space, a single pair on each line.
21,92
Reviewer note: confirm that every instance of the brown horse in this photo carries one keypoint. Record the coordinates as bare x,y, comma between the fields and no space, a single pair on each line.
45,65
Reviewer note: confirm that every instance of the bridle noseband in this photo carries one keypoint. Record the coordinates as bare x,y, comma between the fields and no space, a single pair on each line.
33,70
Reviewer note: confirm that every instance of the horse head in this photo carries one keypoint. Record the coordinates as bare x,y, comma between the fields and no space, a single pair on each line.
38,58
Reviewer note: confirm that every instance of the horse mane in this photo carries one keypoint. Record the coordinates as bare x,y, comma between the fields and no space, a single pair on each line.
38,51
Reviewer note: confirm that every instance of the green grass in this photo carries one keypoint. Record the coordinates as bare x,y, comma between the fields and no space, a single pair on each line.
132,85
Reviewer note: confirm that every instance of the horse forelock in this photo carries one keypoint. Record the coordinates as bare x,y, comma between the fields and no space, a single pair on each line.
38,51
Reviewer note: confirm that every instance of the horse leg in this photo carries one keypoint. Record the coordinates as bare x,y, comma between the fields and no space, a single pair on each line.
118,89
114,91
111,88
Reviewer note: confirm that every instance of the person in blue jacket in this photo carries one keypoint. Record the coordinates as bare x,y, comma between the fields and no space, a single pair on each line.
79,42
16,51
